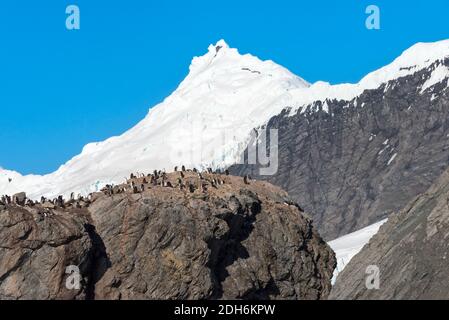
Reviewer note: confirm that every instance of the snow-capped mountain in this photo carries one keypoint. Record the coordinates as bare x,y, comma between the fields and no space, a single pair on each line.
352,154
206,122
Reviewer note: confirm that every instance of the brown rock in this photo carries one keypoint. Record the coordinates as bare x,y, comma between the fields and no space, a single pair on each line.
36,250
236,241
231,241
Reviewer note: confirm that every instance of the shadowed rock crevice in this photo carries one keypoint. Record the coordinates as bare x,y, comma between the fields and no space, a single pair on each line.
229,248
99,261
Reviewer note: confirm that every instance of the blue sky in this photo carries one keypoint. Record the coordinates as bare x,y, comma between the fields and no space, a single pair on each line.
61,89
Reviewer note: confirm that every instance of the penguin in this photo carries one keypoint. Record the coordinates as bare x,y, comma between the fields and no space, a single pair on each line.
181,186
176,169
142,188
169,185
183,168
182,174
191,188
245,179
227,172
135,190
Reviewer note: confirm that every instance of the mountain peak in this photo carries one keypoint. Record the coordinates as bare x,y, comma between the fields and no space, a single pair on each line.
228,63
221,44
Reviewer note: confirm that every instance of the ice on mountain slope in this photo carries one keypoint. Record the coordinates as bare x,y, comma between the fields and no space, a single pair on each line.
348,246
207,120
418,57
438,75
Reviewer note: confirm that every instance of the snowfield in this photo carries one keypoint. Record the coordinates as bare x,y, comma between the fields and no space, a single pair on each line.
348,246
207,120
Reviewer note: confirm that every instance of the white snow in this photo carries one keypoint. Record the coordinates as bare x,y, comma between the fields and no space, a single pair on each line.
392,159
348,246
418,57
207,120
438,75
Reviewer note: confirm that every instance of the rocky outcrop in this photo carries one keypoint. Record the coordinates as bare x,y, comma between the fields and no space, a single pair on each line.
411,251
353,163
235,241
36,247
217,238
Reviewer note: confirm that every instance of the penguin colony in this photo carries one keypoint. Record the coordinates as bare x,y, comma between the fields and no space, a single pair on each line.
187,180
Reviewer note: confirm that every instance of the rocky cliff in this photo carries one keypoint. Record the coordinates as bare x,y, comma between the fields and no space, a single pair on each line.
411,251
189,236
353,163
36,247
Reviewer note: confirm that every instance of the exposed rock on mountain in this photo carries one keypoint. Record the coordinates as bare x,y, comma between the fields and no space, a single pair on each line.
352,163
36,247
411,251
200,236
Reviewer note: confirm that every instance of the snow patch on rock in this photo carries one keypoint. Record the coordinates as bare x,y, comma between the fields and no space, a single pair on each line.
348,246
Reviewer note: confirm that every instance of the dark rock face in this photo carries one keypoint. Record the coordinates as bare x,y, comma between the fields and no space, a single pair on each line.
35,251
223,240
411,251
364,159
